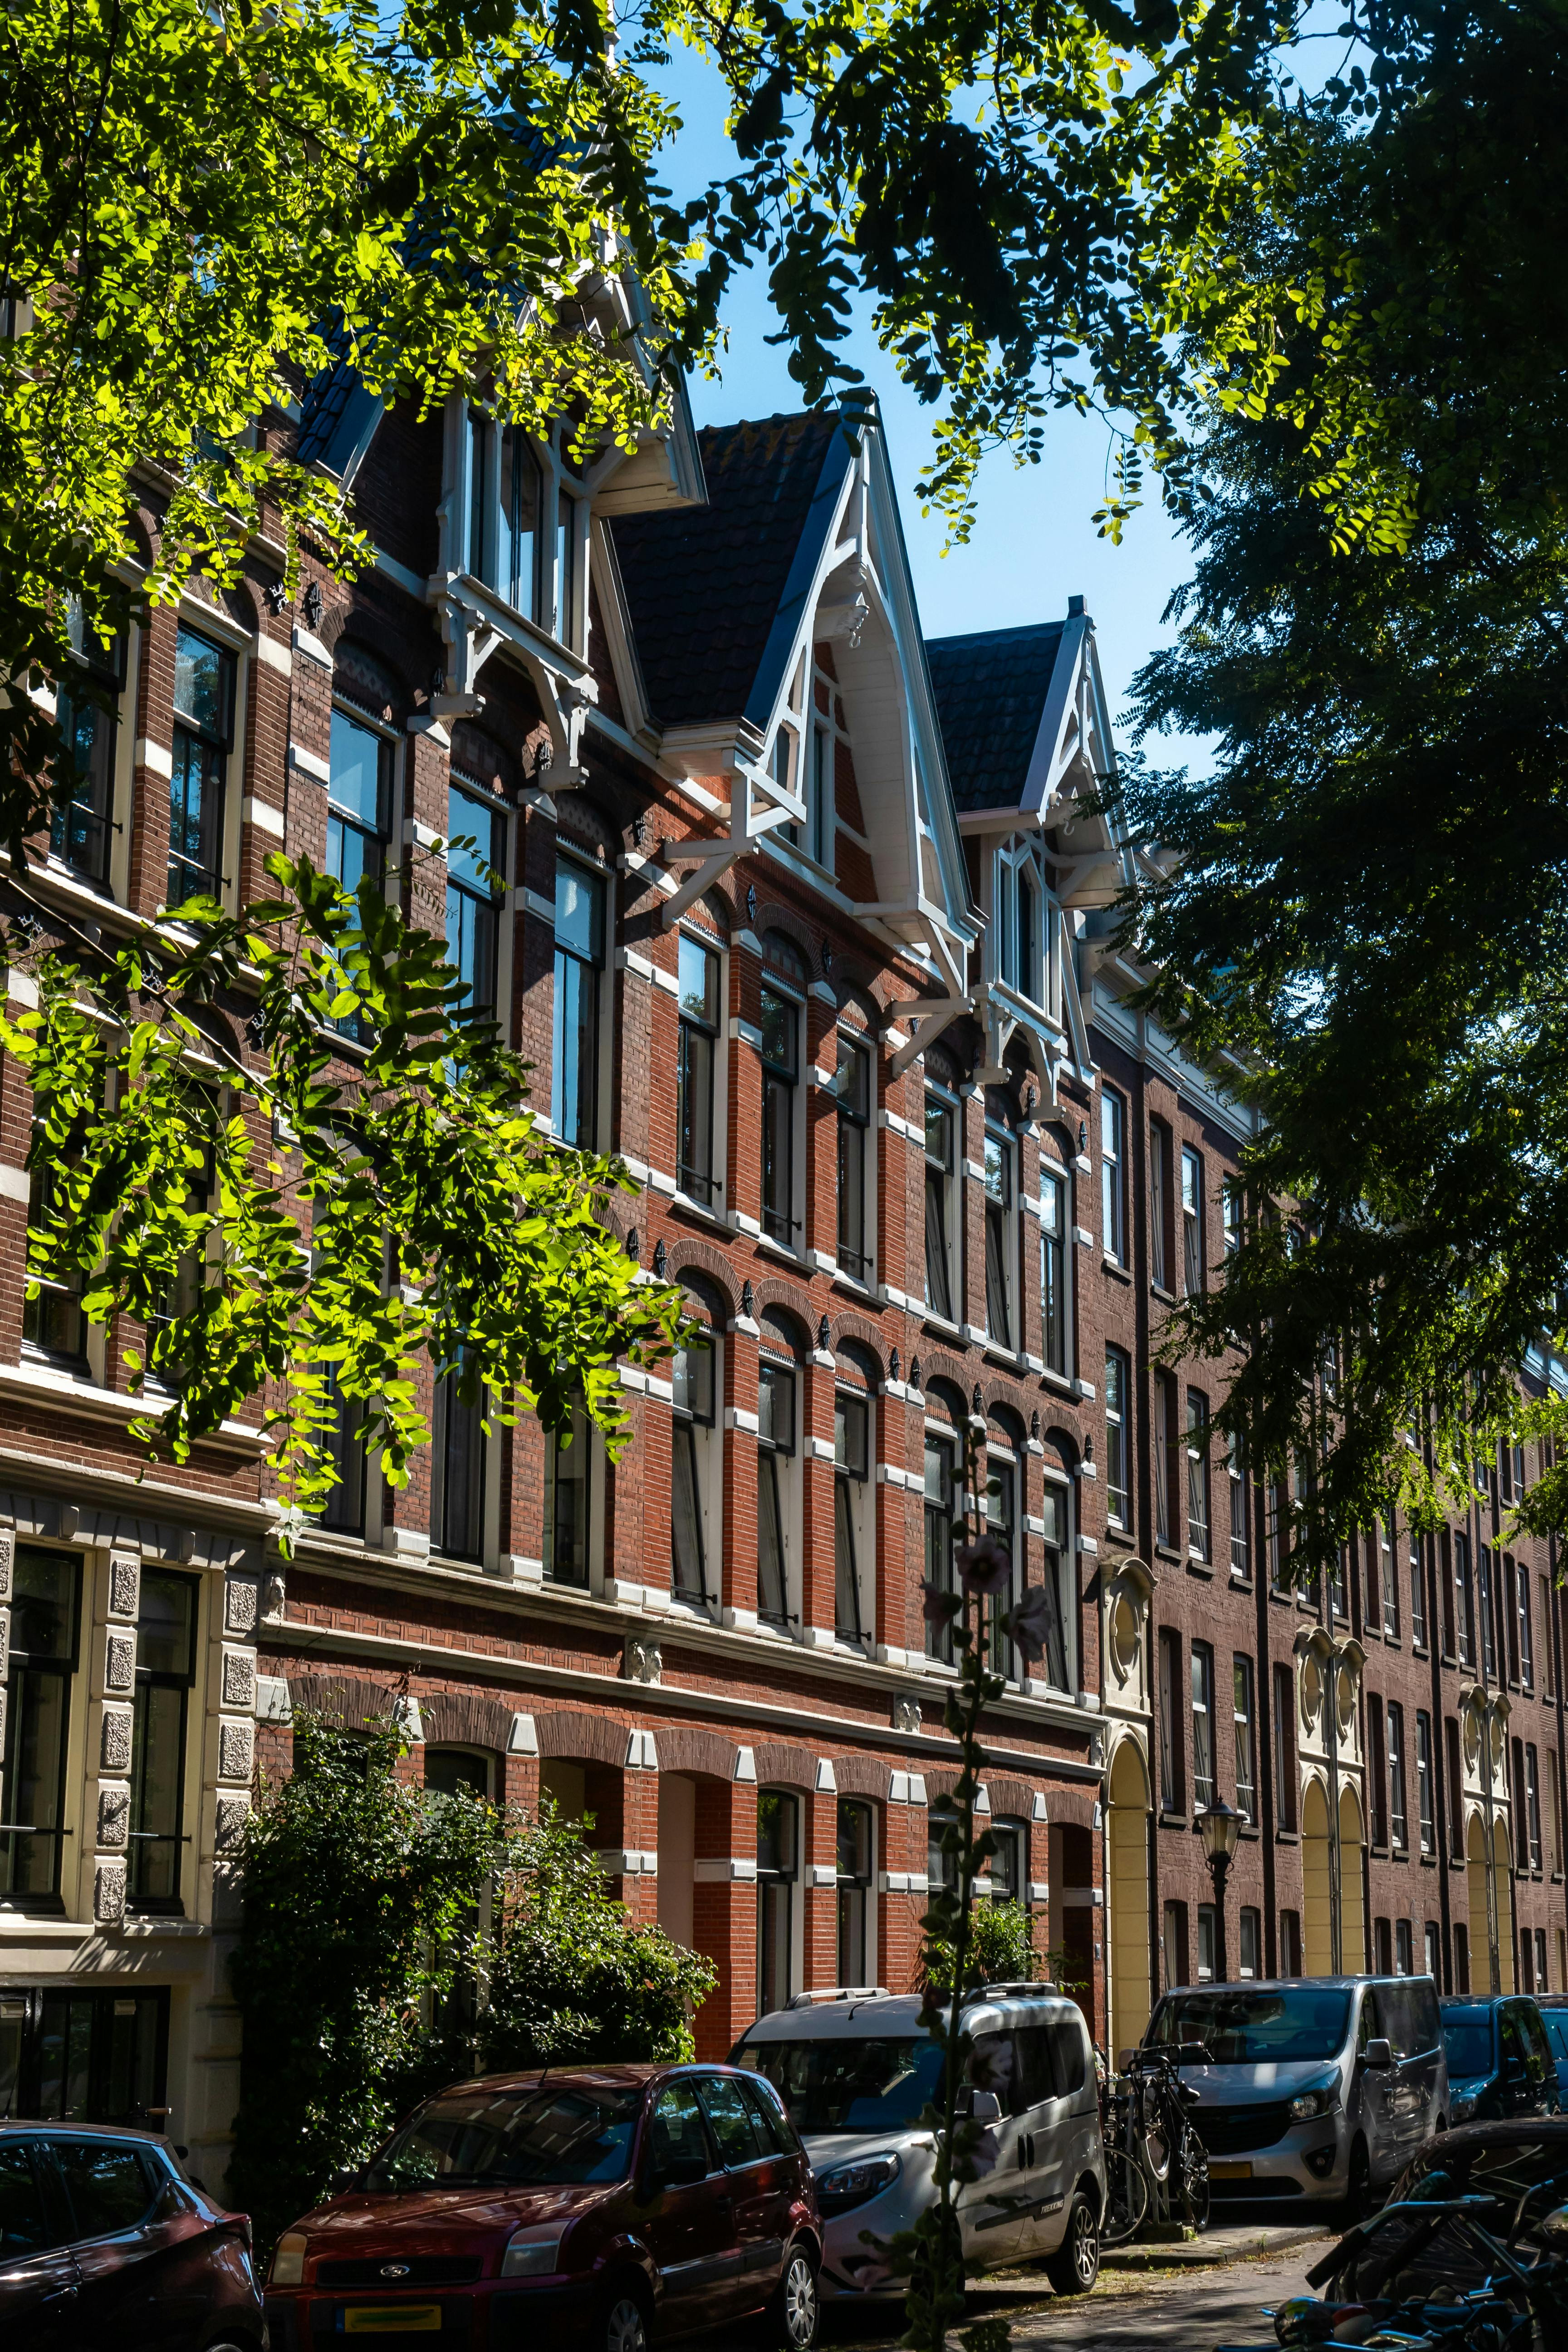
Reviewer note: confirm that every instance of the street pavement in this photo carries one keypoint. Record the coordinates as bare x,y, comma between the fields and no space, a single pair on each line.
1185,2305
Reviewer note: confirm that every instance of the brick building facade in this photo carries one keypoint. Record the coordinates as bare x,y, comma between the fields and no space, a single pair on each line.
800,920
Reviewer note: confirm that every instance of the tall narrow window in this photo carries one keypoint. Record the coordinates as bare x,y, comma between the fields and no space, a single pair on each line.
1251,1940
822,818
1192,1223
566,1502
1279,1530
775,1453
1203,1725
1390,1585
1118,1440
45,1604
1200,1542
1426,1808
851,1469
1170,1722
1548,1684
579,963
1377,1771
1290,1943
1027,977
999,1239
345,1508
1205,1942
1403,1948
1240,1509
359,800
940,1171
1284,1747
458,1472
1464,1602
1002,1523
81,822
1054,1512
1174,1945
1053,1271
1245,1738
1526,1630
1164,1460
855,1886
939,1453
778,1867
1417,1591
852,1090
475,878
1484,1611
517,538
565,617
1230,1217
1160,1204
1456,1789
481,525
1398,1821
692,1415
781,1080
204,733
165,1670
1532,1803
694,1061
1112,1175
54,1327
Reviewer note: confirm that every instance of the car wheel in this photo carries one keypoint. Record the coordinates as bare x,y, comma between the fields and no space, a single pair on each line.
625,2327
1074,2265
794,2313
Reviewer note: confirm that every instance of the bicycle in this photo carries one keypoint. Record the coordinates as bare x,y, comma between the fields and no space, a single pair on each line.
1174,2154
1126,2183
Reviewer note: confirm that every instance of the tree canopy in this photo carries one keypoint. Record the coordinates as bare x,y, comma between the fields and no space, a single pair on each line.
1366,900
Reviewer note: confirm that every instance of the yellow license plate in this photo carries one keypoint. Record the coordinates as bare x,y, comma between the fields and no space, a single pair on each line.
392,2319
1229,2171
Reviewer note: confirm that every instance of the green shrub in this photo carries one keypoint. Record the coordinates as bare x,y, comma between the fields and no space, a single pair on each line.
999,1951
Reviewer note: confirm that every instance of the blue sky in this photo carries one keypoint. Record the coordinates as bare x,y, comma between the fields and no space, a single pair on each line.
1034,544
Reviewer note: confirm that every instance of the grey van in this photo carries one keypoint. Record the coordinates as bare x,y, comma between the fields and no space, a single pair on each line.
1318,2088
855,2070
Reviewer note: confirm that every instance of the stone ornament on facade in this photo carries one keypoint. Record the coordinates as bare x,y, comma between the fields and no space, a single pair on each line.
109,1892
124,1585
906,1713
114,1737
642,1660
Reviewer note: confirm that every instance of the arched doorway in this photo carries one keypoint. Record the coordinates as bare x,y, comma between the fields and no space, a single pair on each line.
1127,1842
1502,1884
1476,1887
1317,1919
1352,1906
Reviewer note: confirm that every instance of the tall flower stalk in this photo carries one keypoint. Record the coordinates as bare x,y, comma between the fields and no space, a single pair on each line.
931,2254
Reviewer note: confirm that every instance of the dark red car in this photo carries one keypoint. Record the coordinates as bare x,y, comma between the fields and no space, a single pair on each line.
105,2246
596,2205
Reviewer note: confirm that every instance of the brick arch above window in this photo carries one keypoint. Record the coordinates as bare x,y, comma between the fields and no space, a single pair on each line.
779,1765
862,1776
586,827
476,752
361,678
352,1699
465,1719
771,916
1070,1805
863,1333
1065,1444
940,1370
687,1257
590,1738
785,1298
1011,1796
684,1748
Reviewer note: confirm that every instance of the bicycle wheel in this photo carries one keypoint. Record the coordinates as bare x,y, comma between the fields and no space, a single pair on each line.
1126,2198
1194,2168
1155,2134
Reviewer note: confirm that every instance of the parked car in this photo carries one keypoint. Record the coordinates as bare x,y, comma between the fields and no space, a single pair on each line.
856,2072
1318,2088
597,2205
1500,2060
105,2243
1554,2008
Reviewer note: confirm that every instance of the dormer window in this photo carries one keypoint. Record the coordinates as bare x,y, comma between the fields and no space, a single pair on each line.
1020,928
524,527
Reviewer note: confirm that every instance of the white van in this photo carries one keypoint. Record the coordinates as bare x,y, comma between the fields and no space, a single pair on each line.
856,2070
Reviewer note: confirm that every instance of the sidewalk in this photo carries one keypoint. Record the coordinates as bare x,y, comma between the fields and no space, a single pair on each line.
1231,2241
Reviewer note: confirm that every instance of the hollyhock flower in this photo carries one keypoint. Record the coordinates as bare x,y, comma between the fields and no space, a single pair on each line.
939,1604
1032,1620
984,1566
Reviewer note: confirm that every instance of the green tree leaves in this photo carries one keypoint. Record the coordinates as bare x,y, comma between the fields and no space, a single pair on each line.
270,1201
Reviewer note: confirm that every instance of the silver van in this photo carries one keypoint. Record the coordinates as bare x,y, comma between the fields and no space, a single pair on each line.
857,2069
1319,2087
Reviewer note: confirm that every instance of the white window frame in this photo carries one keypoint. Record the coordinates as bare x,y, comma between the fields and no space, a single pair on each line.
1056,1173
211,621
708,1444
862,1492
460,779
555,479
720,1140
791,1497
1012,1220
952,1204
794,1238
604,1042
863,1042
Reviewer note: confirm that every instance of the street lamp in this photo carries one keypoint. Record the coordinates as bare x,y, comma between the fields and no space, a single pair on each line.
1219,1825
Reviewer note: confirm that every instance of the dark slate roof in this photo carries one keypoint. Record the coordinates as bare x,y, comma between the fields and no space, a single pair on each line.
704,584
337,417
990,693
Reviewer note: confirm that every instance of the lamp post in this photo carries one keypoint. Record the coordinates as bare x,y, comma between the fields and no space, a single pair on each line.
1218,1826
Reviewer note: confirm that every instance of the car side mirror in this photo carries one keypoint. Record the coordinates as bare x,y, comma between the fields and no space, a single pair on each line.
980,2106
1379,2052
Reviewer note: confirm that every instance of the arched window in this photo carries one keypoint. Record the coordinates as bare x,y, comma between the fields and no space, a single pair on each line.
778,1869
782,1017
854,1411
943,1488
778,1482
694,1480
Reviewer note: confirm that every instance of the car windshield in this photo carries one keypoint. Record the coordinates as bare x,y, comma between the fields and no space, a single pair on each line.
843,2086
545,2137
1244,2029
1468,2041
